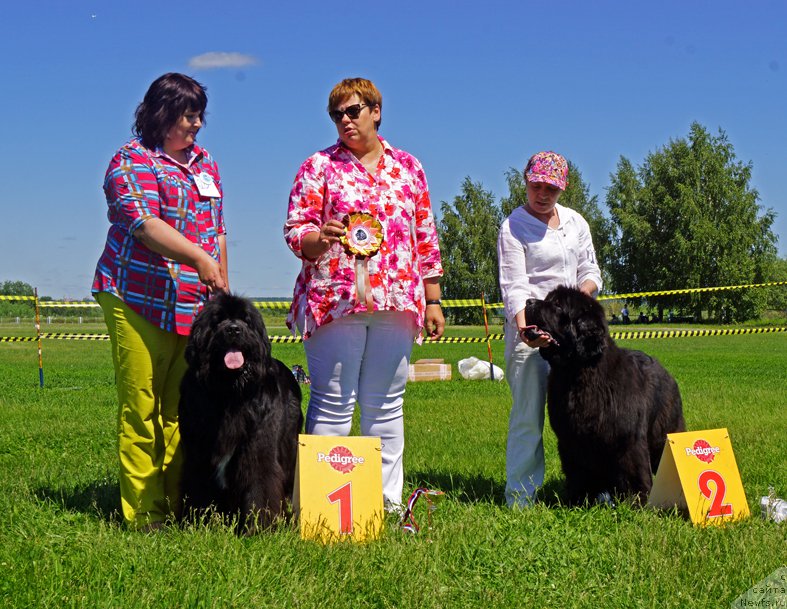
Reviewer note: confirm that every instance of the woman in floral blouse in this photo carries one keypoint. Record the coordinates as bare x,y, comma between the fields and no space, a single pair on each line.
360,220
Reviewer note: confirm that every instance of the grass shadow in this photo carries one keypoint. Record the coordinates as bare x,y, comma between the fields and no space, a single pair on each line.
552,493
466,488
100,499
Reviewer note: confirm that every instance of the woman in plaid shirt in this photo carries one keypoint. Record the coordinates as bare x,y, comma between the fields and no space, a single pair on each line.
165,252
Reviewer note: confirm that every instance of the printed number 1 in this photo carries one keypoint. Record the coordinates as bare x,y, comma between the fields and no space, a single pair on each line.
344,495
717,506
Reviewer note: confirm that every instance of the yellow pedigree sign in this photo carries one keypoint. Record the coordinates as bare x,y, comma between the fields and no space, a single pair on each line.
698,472
339,488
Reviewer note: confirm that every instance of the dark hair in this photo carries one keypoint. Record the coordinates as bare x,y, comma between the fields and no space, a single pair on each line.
168,98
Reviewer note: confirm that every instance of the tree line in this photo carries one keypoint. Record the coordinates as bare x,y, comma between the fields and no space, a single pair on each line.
687,217
26,308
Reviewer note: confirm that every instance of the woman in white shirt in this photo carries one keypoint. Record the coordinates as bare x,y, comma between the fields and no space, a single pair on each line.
540,246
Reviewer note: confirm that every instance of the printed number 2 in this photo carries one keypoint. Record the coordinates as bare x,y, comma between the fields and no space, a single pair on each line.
717,507
344,495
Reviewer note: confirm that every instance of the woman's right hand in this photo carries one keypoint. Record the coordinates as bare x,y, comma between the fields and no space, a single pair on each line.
211,275
535,338
315,244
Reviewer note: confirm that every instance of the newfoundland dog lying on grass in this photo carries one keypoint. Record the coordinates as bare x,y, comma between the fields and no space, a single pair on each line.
240,415
611,408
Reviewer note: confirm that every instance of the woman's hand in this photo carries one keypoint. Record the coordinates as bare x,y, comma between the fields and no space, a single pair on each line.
211,274
315,244
434,322
589,287
535,338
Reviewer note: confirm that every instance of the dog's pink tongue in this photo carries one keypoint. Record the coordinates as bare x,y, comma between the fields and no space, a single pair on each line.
233,360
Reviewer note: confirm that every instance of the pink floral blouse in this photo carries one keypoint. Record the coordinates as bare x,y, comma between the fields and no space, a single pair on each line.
332,184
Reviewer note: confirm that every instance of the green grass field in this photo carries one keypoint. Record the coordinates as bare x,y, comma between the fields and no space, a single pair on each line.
62,544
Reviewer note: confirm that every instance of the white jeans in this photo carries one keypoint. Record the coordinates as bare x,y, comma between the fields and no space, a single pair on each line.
363,357
526,372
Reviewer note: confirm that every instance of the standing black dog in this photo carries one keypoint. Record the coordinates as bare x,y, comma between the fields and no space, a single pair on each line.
240,416
611,408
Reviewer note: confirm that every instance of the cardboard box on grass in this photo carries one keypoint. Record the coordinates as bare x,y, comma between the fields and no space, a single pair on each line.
429,370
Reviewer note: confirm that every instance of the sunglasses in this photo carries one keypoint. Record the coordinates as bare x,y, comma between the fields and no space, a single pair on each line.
352,112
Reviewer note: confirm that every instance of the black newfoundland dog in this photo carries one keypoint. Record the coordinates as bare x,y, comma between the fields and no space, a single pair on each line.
240,416
611,408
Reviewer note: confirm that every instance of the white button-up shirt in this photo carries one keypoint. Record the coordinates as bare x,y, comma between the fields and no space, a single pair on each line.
534,259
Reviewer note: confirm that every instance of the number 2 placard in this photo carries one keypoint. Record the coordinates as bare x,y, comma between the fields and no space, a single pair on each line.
339,488
698,472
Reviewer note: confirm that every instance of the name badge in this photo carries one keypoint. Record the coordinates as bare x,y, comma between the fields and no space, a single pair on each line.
206,186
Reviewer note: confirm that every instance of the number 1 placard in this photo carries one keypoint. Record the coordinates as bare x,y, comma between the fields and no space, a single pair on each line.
698,472
339,488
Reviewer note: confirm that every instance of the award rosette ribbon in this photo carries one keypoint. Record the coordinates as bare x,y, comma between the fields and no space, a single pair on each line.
362,240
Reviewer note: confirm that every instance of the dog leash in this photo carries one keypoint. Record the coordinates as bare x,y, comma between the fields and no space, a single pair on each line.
432,497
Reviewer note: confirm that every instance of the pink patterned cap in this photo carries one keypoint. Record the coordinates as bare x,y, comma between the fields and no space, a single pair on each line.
547,167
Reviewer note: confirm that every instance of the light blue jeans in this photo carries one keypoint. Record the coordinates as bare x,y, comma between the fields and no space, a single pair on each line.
363,357
526,372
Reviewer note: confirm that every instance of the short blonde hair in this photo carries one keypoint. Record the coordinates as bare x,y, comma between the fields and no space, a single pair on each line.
365,89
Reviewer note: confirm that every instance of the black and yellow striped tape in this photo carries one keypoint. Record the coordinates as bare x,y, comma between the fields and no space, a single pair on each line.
457,339
642,334
690,290
67,305
461,302
272,304
458,302
694,333
465,339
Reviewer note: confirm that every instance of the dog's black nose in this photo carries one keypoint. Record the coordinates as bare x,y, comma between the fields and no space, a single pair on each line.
233,329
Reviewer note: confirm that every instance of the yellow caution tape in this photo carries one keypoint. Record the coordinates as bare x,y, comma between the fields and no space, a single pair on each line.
690,290
694,333
17,339
458,339
464,339
272,304
457,302
642,334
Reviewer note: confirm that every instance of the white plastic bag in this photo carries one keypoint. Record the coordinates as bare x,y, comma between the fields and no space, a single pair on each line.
475,369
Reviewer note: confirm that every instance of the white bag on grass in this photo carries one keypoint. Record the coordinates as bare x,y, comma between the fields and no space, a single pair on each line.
475,369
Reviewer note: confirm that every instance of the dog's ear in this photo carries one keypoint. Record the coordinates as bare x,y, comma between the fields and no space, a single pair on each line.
591,338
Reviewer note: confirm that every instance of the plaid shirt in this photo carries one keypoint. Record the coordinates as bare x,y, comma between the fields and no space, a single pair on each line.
141,184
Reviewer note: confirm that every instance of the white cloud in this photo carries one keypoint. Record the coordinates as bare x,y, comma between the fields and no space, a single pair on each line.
218,59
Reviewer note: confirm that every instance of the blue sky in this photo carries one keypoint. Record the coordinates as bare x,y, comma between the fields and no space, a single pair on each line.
470,88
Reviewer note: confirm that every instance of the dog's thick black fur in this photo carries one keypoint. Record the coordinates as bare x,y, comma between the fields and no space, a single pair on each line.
240,416
611,408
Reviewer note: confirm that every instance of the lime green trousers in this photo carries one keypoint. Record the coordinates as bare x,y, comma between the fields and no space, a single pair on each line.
149,365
